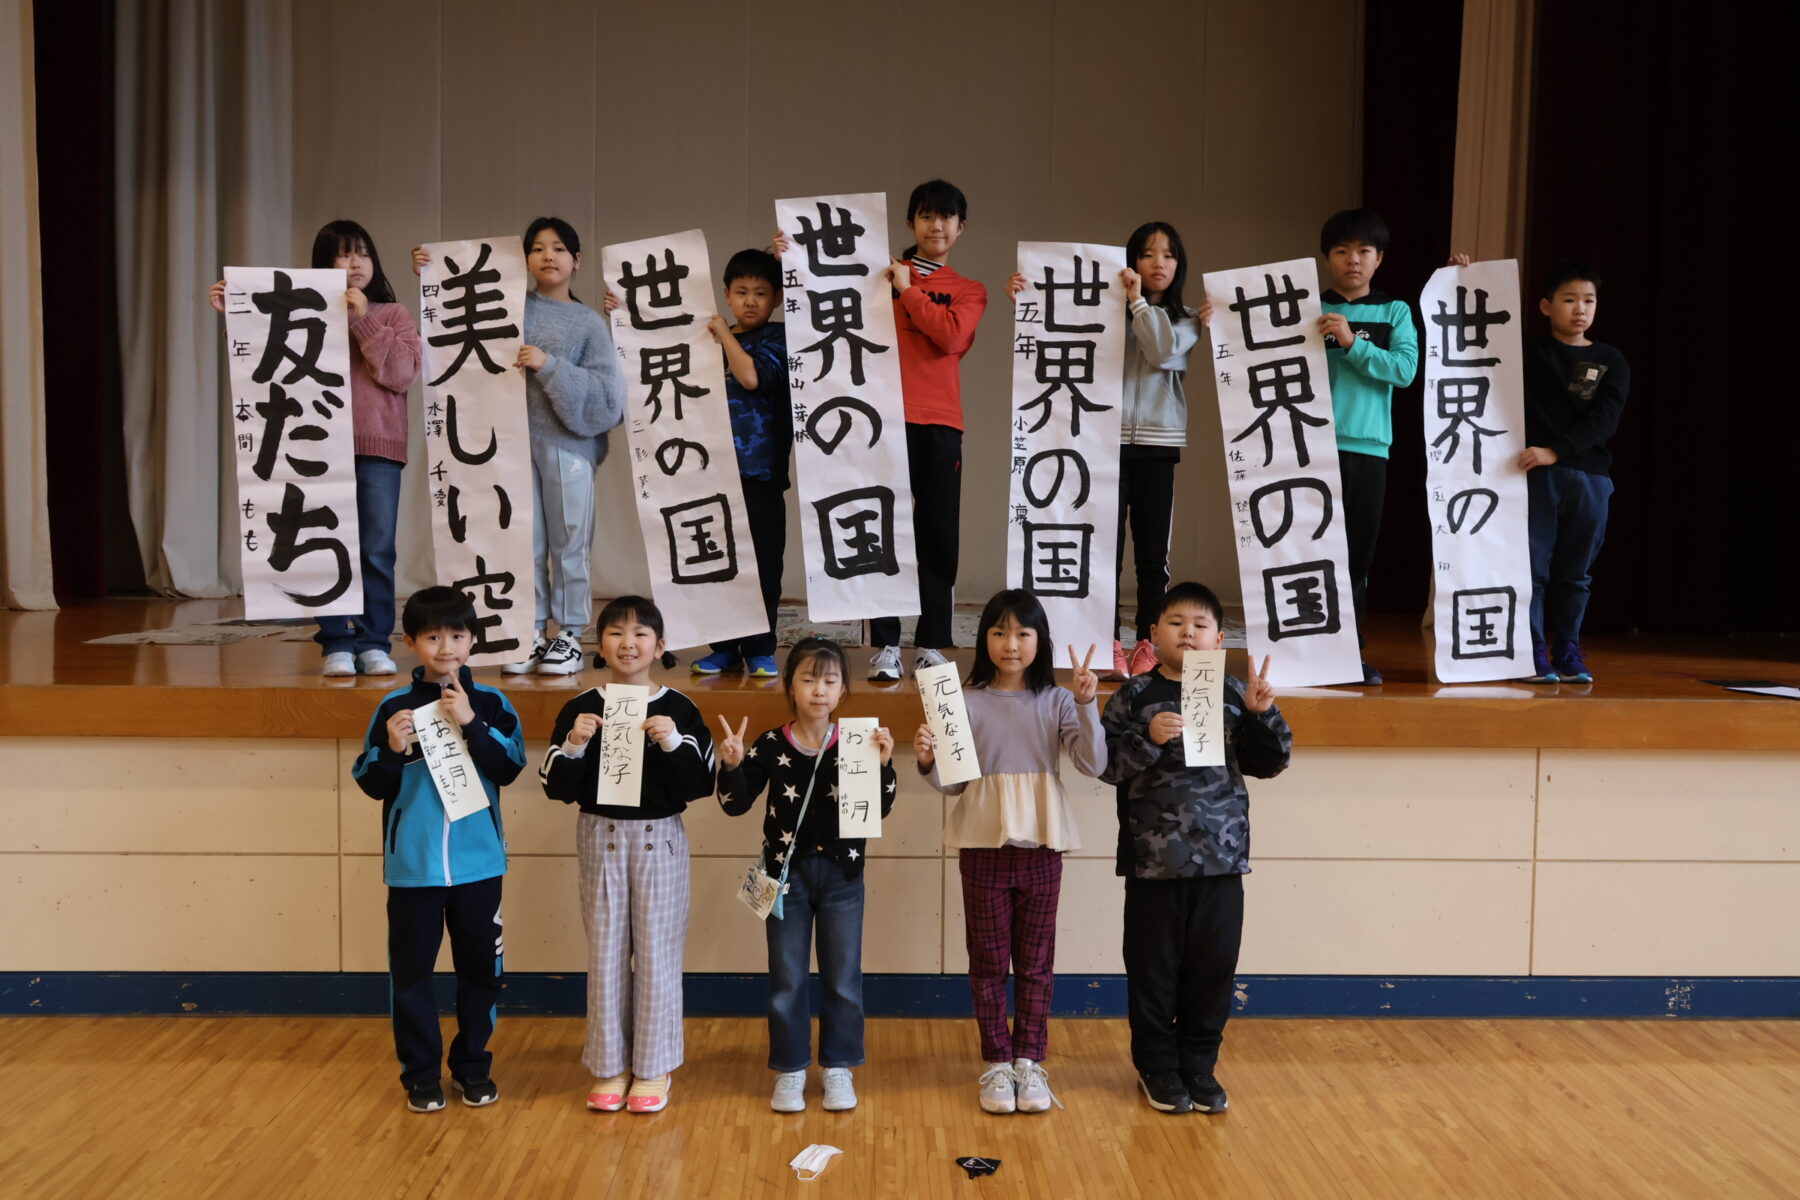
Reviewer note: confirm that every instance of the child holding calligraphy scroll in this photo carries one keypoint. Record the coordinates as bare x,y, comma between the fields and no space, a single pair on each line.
1184,846
633,865
384,361
1010,828
798,764
1153,420
441,871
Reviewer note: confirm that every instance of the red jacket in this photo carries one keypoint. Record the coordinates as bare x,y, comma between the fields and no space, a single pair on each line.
936,319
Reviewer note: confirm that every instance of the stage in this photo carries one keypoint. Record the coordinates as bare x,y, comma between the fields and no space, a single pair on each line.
1650,693
179,832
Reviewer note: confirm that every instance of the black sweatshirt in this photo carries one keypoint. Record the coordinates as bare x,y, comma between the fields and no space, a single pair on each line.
775,761
1574,396
673,779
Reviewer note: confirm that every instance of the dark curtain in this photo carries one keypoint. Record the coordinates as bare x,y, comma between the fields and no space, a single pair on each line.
1412,55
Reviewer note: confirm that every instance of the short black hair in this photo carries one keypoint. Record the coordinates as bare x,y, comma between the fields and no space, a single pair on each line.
937,197
1134,246
640,609
1567,270
808,650
433,608
346,237
1354,226
1190,592
754,264
1024,608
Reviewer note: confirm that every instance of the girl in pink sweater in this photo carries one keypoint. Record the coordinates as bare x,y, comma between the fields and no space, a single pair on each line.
384,361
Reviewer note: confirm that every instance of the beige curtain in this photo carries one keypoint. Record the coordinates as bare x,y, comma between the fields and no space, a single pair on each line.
25,580
204,178
1493,129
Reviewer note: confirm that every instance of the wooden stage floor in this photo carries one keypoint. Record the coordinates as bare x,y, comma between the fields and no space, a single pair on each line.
1385,1110
1650,692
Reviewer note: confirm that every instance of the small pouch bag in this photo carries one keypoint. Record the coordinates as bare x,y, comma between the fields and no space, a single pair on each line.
760,892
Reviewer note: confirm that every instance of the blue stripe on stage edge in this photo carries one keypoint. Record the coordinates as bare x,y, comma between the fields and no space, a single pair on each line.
283,993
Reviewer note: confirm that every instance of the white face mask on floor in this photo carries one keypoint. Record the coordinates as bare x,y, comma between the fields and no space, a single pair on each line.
811,1162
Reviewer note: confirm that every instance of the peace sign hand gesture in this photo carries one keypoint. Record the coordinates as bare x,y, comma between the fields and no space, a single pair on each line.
1259,693
731,746
1087,683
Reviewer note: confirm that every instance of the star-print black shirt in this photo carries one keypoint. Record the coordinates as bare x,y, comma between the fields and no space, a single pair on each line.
774,760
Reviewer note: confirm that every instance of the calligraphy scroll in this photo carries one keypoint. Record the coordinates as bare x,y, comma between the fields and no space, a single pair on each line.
1475,490
288,346
684,470
1281,461
1203,707
447,758
477,439
940,689
849,422
859,778
1068,388
625,707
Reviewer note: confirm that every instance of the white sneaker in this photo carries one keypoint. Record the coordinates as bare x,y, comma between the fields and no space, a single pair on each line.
997,1091
341,663
1034,1094
928,658
840,1091
561,657
884,667
790,1092
375,662
538,646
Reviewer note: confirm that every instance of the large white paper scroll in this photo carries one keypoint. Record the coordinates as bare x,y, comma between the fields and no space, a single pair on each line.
1203,707
447,758
849,421
1068,388
859,778
684,470
477,439
1474,488
940,689
288,345
624,710
1281,460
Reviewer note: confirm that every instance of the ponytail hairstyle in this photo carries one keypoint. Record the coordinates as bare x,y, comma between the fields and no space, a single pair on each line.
1024,608
571,240
1134,246
935,197
347,237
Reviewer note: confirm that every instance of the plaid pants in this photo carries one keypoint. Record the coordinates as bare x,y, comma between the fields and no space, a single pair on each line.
634,906
1009,914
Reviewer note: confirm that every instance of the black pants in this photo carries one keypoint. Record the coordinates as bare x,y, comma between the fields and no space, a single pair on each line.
1181,952
765,504
1147,494
417,917
934,460
1365,489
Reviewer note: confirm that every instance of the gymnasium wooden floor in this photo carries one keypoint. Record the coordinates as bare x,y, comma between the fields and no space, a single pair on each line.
295,1107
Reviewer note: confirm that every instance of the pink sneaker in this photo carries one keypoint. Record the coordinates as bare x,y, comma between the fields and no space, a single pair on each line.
1143,657
608,1095
648,1095
1120,668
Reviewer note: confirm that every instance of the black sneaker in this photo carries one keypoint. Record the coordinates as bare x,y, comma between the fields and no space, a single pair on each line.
476,1093
1166,1092
1207,1095
425,1097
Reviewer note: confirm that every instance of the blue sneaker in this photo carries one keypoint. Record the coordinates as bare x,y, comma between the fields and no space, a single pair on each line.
1571,667
1542,671
761,666
717,663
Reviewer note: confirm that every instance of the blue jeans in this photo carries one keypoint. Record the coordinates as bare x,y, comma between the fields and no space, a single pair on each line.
1568,524
377,513
817,892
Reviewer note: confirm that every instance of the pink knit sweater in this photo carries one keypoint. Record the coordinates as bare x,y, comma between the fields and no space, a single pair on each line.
384,361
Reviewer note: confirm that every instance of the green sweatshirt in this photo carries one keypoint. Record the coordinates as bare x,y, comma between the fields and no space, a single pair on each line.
1363,377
